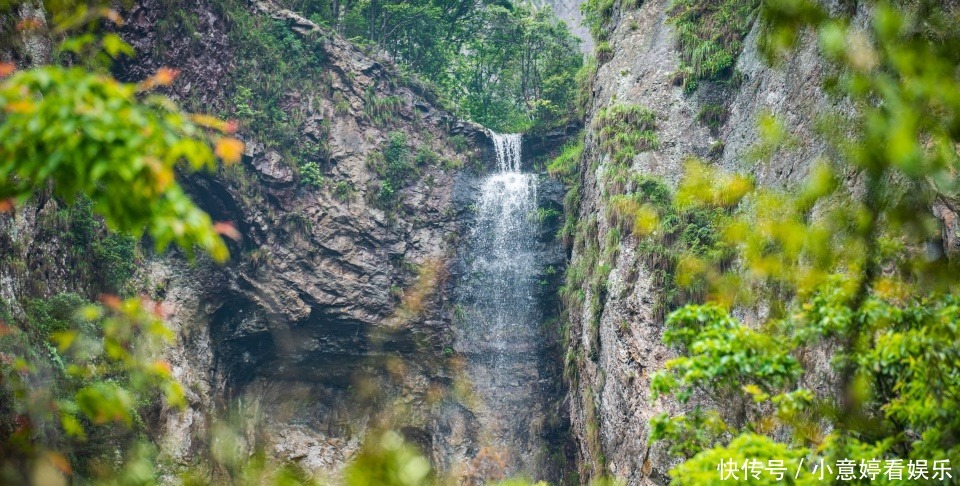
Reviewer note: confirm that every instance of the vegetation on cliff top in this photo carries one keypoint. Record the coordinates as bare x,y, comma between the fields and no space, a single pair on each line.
506,65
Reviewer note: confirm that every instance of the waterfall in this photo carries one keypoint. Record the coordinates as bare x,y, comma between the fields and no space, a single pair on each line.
504,251
507,147
500,315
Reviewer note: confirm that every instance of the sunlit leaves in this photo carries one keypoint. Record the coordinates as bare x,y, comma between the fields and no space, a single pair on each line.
720,352
104,402
784,21
229,150
90,134
772,136
916,358
702,469
165,77
688,433
704,185
110,44
108,372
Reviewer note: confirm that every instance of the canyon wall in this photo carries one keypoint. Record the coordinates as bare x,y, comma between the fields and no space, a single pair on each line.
612,404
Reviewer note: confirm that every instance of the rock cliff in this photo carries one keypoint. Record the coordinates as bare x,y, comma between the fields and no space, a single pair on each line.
336,311
335,308
610,395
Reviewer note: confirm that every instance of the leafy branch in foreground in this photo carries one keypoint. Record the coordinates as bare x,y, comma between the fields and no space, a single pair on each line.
80,380
79,402
88,133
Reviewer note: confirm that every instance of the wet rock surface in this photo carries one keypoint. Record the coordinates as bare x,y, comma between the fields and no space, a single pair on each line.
508,270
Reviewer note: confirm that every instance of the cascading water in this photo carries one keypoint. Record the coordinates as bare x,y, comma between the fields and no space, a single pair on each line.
500,317
507,147
504,244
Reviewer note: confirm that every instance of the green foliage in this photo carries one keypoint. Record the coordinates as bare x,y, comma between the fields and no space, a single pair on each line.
105,261
520,74
381,110
509,66
269,60
242,102
311,175
296,223
395,168
713,116
721,353
566,165
387,459
603,52
117,256
703,468
259,258
90,134
426,157
625,131
586,76
344,190
77,378
710,37
689,433
592,437
828,265
545,215
596,15
669,235
912,364
97,384
459,143
55,314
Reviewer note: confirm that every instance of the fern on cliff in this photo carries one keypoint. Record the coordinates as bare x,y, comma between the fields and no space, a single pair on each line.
710,37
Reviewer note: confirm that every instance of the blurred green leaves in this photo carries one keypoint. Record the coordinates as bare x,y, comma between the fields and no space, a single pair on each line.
386,459
88,133
105,374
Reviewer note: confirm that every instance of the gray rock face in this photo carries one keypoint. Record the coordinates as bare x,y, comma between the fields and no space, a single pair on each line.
612,394
313,299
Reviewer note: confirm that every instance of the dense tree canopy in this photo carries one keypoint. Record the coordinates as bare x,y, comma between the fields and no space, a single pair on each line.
504,64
